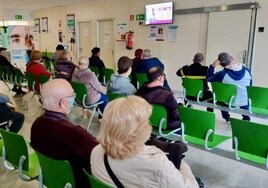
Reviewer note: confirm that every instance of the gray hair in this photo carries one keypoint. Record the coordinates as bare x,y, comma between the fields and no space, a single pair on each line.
224,58
83,62
147,53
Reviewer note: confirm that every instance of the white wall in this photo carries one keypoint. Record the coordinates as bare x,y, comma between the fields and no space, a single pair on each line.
191,36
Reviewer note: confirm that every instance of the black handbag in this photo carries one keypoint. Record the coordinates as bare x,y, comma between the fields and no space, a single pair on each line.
174,150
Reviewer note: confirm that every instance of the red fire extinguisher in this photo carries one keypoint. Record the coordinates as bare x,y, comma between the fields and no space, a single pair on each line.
129,40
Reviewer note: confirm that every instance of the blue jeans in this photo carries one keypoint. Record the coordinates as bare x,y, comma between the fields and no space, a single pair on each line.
105,100
226,115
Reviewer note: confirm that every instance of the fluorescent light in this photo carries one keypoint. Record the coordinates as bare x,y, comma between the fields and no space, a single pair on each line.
13,22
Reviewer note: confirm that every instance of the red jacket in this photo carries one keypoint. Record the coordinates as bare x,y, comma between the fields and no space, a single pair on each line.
36,69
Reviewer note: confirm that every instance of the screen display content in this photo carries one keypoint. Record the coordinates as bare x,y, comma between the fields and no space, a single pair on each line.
161,13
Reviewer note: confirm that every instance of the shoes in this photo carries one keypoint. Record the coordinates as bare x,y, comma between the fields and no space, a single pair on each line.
20,92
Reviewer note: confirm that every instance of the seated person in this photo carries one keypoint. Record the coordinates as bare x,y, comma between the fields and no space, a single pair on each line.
121,83
197,70
4,62
7,111
64,66
35,67
148,62
232,73
95,91
136,60
95,61
135,164
154,93
55,55
53,135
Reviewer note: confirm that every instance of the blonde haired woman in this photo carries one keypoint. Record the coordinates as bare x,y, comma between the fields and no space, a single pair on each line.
124,130
95,91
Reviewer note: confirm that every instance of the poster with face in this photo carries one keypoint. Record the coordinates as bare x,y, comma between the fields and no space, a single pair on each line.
18,38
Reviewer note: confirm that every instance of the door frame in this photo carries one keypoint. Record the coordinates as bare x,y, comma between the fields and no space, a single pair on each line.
77,36
98,36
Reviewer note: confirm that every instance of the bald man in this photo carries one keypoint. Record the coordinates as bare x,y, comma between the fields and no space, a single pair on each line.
56,137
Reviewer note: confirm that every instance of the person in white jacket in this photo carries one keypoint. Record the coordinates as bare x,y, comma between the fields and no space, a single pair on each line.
124,130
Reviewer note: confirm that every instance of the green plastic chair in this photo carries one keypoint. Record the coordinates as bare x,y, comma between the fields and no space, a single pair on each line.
2,76
95,70
141,79
158,120
250,141
258,100
107,73
31,88
15,152
1,146
198,127
112,96
20,78
10,75
96,183
43,79
55,173
192,88
81,100
224,93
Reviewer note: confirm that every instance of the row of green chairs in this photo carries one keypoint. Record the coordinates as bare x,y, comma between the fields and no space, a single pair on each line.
50,172
226,93
249,139
107,73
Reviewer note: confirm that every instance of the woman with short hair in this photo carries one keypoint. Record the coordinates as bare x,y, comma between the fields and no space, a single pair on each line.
124,129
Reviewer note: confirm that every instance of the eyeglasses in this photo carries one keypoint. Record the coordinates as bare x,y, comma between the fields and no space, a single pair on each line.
73,96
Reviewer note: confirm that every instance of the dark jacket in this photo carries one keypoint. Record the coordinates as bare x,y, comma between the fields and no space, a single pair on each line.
195,71
64,66
144,65
162,96
54,136
4,62
95,61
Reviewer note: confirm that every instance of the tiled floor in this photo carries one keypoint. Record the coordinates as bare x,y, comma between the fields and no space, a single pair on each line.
214,170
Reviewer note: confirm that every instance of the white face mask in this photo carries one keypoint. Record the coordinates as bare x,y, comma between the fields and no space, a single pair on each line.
71,105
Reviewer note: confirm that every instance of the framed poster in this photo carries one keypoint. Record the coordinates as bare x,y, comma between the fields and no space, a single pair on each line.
70,23
37,24
44,26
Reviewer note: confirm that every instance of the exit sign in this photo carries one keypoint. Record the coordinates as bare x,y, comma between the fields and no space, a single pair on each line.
18,17
140,17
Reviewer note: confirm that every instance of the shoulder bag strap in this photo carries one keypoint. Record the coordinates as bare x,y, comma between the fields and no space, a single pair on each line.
111,174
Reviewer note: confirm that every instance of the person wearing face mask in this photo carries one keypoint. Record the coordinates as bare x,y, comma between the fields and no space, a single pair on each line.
154,93
53,135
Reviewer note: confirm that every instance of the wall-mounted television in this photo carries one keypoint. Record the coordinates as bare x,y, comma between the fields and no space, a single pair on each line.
160,13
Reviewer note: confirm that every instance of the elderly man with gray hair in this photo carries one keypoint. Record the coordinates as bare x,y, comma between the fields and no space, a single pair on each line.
149,62
232,73
56,137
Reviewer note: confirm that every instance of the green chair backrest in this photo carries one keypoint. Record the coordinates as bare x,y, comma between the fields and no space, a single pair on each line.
252,137
30,80
96,183
15,147
80,90
19,76
223,92
141,79
10,74
113,96
258,96
107,73
197,122
95,70
56,173
158,113
43,79
192,86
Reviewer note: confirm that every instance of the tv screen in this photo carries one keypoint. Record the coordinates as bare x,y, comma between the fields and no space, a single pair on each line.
161,13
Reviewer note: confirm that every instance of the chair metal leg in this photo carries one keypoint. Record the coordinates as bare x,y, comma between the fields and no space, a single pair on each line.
209,132
91,117
236,148
5,162
40,178
21,174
